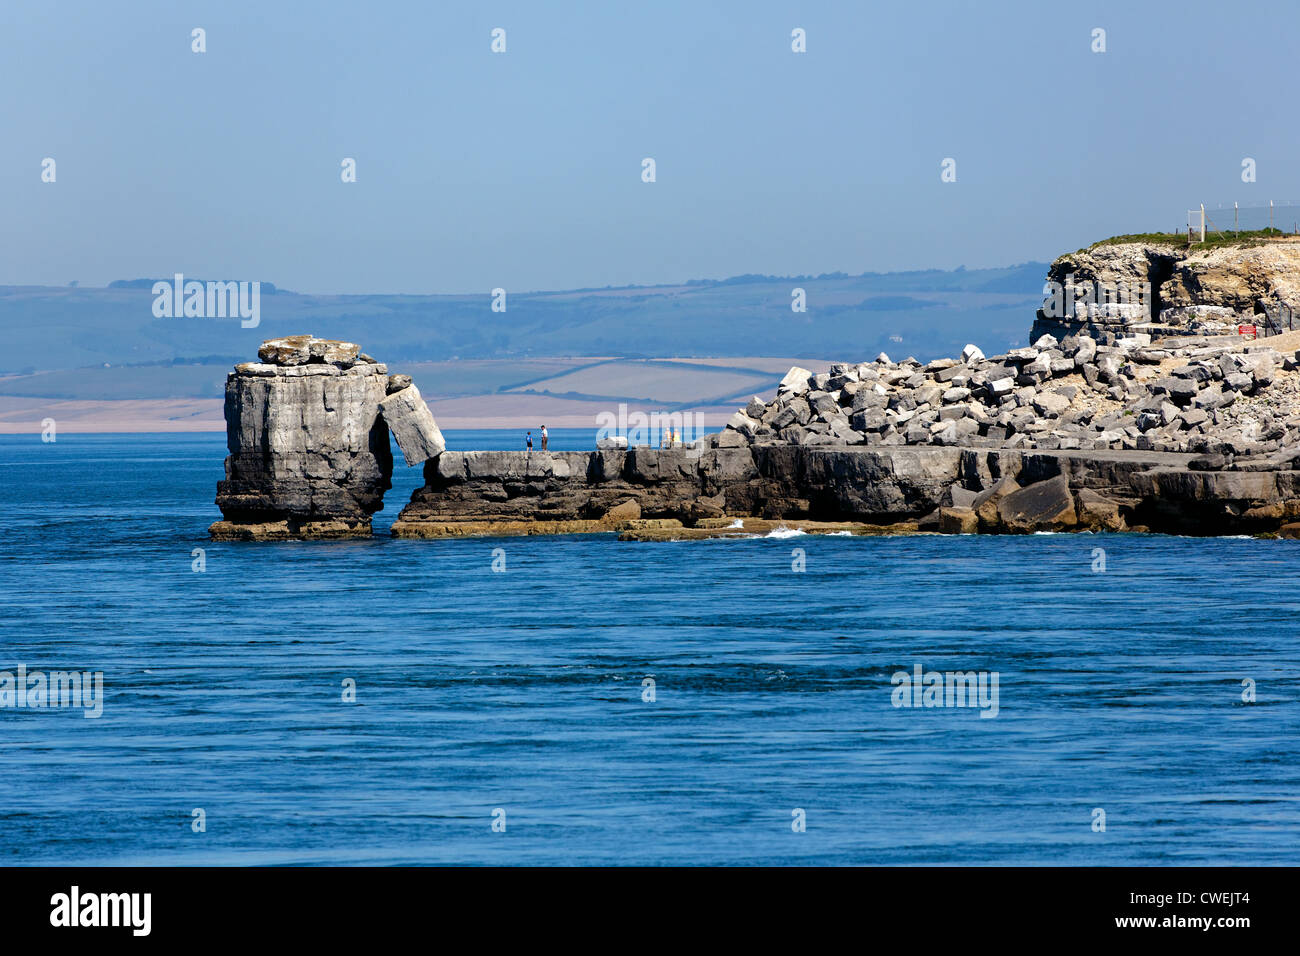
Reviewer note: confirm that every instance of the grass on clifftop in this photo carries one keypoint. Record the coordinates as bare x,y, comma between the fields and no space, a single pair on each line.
1213,240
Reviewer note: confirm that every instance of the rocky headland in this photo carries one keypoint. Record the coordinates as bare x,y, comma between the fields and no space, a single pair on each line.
1165,288
1141,416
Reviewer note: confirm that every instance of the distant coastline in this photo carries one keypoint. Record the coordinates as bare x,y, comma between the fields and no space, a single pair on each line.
23,416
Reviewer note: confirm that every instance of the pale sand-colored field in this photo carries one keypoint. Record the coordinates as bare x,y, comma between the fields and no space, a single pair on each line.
25,415
532,411
484,376
672,383
777,366
465,394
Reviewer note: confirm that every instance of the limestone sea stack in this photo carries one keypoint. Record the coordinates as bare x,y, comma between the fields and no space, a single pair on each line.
307,429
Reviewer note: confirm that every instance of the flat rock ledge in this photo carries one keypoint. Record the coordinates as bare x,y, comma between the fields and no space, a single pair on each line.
289,530
648,494
307,429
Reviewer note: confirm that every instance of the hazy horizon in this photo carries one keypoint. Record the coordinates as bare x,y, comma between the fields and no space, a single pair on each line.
122,282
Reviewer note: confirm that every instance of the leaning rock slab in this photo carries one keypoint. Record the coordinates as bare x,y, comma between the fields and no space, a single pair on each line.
412,424
796,381
628,510
987,503
1042,506
1098,512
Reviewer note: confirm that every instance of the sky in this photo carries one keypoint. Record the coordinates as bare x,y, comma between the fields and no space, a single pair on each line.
523,169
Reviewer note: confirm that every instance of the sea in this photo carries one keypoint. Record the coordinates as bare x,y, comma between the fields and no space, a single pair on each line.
580,700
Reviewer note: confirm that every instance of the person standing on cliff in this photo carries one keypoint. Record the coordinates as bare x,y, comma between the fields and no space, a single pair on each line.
544,438
529,439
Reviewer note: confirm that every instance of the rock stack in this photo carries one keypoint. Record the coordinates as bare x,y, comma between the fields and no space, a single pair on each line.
307,429
1208,395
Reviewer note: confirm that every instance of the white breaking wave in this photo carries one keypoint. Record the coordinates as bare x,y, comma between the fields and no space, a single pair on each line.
784,532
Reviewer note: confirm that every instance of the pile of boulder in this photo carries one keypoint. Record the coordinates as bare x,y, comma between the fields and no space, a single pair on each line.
1203,395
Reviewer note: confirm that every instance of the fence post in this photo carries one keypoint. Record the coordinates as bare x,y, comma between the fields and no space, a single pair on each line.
1270,215
1234,217
1202,222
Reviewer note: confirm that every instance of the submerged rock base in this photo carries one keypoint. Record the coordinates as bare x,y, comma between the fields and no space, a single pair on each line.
288,530
656,494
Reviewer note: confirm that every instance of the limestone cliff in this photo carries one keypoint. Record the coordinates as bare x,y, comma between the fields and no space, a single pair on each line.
1170,289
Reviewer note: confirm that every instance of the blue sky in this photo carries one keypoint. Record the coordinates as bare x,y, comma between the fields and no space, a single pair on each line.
523,169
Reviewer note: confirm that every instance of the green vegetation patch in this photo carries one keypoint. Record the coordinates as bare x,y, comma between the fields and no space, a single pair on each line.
1213,240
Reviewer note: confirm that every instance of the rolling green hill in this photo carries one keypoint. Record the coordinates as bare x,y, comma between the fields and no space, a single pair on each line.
105,343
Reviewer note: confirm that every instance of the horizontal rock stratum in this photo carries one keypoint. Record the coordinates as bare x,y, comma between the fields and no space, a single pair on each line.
658,493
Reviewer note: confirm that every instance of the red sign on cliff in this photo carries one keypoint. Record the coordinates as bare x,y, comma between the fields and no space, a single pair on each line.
1250,330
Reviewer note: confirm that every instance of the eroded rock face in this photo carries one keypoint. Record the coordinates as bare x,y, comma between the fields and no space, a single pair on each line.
308,439
1189,290
1043,506
523,492
951,490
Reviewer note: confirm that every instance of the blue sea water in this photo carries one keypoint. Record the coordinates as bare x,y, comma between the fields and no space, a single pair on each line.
523,690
